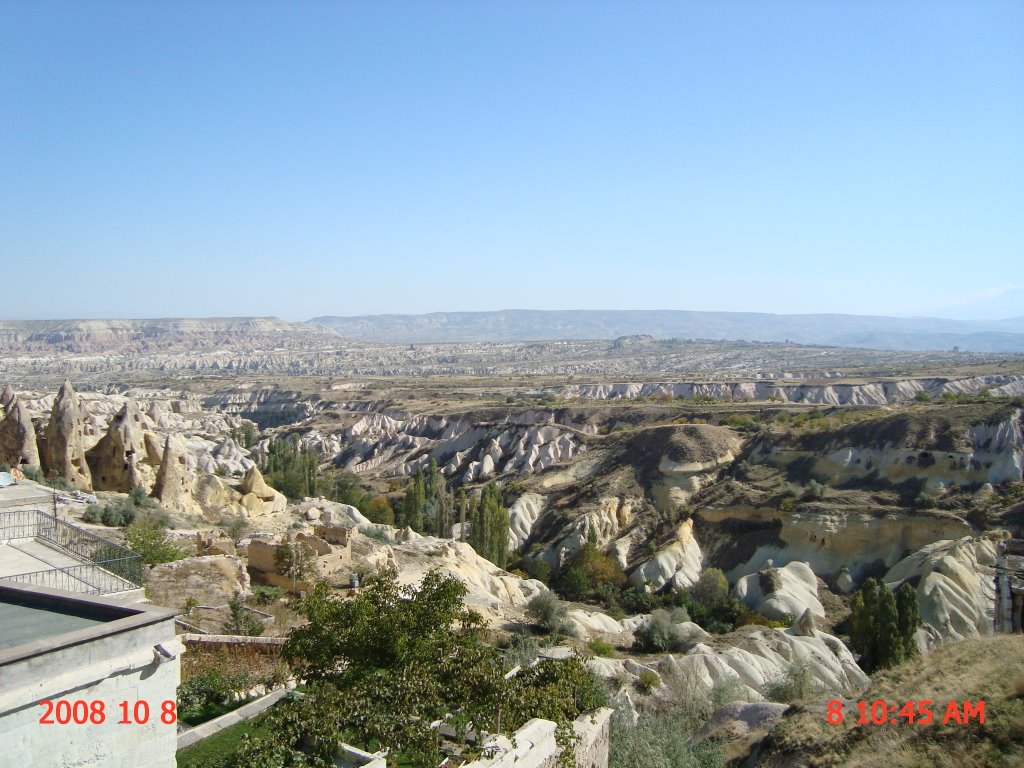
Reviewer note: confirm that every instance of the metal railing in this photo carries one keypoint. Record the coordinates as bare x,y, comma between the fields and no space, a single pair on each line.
108,567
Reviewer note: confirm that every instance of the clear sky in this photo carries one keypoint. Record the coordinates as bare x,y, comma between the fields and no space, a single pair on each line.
302,159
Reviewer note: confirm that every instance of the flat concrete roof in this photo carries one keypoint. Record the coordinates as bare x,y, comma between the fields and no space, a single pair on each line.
36,620
26,493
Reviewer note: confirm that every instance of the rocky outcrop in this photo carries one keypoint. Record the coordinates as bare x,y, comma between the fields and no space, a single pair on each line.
18,437
258,498
7,397
63,451
679,563
120,460
872,393
210,579
522,514
780,592
175,480
762,656
955,586
827,539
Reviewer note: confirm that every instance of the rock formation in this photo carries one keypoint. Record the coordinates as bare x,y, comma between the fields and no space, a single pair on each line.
174,479
954,582
63,451
120,461
778,592
258,498
7,397
18,437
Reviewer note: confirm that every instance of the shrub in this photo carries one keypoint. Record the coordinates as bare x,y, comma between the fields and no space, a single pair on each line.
522,650
572,583
660,741
648,680
266,595
537,568
32,473
241,621
601,647
659,633
814,490
548,612
711,588
93,514
373,532
149,539
795,684
58,483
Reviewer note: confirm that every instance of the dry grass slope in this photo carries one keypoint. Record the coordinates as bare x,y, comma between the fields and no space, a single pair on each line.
991,669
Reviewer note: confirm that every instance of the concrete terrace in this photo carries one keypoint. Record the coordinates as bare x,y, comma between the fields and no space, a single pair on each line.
39,550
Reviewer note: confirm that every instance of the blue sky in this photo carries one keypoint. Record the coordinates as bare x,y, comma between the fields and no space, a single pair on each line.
302,159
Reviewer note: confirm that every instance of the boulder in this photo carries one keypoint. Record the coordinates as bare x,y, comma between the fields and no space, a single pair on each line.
254,483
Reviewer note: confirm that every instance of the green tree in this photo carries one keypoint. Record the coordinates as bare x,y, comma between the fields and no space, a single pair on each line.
882,625
379,511
296,560
711,588
909,613
413,502
381,667
240,620
148,537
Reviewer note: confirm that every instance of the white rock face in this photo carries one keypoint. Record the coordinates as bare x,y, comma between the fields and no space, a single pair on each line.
954,586
763,655
776,592
873,393
496,594
678,563
524,512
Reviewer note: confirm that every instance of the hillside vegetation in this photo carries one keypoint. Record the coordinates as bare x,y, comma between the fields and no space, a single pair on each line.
989,669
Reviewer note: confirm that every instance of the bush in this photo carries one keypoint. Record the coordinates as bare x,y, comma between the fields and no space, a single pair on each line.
795,684
711,588
93,514
58,483
660,633
549,613
660,741
32,473
149,539
267,595
522,650
373,532
536,568
208,694
814,490
241,620
648,681
601,647
572,583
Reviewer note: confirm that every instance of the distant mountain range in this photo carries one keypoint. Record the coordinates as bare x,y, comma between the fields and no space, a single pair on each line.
875,332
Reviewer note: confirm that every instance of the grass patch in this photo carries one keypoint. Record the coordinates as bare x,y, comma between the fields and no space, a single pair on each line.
210,751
